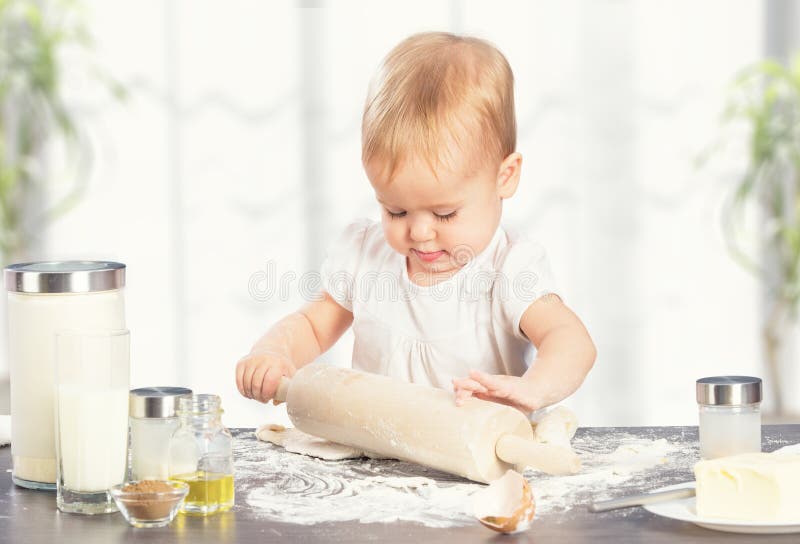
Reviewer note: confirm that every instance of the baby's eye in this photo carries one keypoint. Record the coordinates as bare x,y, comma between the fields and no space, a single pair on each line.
446,217
395,215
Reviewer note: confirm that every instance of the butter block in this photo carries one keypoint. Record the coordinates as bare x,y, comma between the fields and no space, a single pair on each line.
749,487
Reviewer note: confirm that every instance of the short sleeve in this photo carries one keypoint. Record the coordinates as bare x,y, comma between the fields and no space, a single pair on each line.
525,277
340,267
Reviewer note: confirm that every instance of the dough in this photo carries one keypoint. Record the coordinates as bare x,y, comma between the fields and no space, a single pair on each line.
556,427
296,441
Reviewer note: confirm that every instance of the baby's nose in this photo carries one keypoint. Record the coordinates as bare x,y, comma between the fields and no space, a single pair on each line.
421,231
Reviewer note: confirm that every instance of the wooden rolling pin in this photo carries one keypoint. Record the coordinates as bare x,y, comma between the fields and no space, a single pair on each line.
479,440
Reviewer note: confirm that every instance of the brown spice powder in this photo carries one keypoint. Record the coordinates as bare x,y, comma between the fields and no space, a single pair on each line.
148,486
147,504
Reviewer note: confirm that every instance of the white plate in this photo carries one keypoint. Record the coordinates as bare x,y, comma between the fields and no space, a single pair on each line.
684,510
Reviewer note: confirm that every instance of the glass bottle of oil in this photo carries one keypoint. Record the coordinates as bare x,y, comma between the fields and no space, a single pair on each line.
201,454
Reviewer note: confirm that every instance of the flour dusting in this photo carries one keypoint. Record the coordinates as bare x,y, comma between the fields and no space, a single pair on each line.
286,487
635,460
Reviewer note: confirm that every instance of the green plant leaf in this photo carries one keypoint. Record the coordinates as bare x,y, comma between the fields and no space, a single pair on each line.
33,33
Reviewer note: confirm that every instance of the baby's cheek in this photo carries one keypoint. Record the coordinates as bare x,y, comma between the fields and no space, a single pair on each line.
394,236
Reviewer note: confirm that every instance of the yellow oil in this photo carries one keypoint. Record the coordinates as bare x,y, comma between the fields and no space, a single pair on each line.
208,492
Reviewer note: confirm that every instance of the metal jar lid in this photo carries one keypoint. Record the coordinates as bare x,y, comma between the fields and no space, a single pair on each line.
64,277
156,402
729,390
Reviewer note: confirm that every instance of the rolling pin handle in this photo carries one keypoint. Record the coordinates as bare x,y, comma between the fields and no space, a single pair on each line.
545,457
283,389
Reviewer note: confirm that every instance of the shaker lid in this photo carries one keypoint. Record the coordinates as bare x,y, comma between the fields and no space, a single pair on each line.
64,276
156,402
729,390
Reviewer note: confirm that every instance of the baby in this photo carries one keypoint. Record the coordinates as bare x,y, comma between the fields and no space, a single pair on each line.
438,293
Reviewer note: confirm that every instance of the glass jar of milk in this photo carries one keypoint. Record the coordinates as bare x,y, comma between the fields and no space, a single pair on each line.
730,415
43,298
201,454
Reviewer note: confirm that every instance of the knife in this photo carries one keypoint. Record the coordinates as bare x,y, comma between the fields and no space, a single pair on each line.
645,498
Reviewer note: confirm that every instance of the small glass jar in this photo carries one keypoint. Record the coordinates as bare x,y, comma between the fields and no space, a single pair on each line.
153,420
201,454
730,415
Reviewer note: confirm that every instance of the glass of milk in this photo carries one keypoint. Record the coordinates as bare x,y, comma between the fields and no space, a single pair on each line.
91,417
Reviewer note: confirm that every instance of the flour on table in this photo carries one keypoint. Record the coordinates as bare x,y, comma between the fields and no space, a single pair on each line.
791,449
281,486
630,458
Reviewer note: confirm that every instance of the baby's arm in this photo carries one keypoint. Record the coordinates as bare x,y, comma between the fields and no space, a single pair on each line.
291,343
565,354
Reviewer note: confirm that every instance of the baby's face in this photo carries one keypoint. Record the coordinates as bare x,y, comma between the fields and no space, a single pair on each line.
439,225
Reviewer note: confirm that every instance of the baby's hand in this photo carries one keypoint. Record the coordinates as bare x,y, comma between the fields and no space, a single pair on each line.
259,373
509,390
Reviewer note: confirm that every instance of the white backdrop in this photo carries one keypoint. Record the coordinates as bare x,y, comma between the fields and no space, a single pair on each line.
239,147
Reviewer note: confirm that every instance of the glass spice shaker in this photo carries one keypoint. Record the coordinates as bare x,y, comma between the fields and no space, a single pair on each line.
201,454
730,415
153,420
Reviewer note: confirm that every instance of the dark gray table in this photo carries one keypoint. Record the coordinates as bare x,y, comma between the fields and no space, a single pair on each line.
30,516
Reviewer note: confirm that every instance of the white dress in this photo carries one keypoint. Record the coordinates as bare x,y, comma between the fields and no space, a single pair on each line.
432,334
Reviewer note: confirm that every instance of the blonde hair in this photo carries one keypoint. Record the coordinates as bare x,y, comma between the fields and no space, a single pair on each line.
435,89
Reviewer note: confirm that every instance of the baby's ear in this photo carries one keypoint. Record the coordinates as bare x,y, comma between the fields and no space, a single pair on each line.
508,175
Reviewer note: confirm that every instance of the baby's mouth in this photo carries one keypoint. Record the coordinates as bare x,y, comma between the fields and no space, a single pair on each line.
430,256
